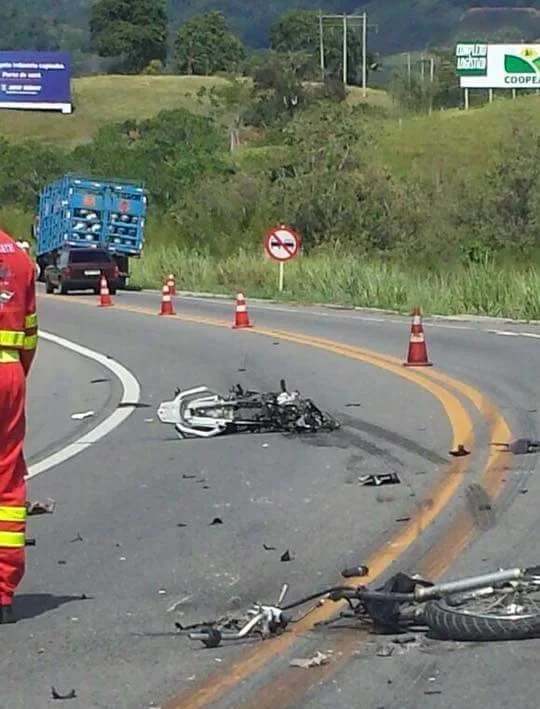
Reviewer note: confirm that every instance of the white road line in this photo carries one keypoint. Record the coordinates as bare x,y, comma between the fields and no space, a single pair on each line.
131,395
510,333
507,333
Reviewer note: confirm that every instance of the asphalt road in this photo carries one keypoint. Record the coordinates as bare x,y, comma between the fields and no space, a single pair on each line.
62,385
124,499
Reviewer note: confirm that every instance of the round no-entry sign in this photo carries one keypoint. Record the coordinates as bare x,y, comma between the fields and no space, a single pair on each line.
282,243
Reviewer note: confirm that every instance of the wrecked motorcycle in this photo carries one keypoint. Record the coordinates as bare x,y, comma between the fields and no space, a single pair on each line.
504,605
201,412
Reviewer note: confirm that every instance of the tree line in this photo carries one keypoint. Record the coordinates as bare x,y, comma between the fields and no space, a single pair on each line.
135,35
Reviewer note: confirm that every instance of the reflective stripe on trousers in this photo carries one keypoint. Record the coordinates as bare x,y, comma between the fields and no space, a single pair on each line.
13,514
12,526
11,338
12,540
9,356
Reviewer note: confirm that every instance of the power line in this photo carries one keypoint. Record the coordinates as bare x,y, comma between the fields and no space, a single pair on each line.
345,19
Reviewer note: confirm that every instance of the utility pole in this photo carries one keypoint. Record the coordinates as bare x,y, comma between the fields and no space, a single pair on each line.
364,54
345,49
321,44
344,19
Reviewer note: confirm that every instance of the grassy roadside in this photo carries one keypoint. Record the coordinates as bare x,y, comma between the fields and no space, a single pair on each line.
478,289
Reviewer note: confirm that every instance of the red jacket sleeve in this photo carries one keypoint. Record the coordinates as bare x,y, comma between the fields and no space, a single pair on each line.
30,323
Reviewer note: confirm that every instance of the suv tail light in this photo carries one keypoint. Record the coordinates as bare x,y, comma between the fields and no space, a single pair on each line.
66,272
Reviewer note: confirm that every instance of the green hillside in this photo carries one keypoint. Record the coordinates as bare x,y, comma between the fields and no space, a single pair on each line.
104,99
392,206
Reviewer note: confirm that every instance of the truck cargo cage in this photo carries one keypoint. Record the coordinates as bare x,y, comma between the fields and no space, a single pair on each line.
81,211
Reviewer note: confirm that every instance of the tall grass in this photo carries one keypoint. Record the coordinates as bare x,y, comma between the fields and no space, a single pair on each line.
480,289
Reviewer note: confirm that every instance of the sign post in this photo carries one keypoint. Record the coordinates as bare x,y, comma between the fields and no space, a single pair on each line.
282,244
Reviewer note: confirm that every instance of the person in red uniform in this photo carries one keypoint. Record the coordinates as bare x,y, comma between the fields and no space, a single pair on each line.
18,342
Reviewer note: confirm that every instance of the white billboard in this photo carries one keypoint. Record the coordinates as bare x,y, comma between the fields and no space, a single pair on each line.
498,66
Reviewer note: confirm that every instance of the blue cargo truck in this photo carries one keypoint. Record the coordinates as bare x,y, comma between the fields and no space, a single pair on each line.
83,212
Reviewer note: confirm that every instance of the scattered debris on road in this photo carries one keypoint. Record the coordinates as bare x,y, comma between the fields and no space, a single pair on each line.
82,416
460,451
216,520
379,479
385,651
520,446
56,695
40,508
316,661
78,538
286,556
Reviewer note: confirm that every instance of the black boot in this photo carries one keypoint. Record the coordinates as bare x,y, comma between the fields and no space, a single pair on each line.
7,615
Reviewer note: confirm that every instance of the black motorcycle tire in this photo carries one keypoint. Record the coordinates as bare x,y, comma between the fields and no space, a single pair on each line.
450,623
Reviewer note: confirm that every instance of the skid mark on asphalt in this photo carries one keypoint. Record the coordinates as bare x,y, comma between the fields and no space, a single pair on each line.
480,507
394,438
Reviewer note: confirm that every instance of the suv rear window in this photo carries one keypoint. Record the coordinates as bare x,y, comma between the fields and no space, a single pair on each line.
89,256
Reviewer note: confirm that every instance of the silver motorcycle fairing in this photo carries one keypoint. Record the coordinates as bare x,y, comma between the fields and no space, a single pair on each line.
197,412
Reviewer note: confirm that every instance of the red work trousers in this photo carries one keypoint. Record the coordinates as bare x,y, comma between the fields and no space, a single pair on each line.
12,479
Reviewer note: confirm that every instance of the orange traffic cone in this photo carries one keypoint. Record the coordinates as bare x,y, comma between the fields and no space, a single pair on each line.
172,284
241,315
166,302
417,355
105,300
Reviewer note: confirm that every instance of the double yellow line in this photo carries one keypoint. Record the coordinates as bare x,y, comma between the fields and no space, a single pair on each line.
452,477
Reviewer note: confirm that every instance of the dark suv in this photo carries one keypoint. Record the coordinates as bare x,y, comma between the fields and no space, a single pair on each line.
81,269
